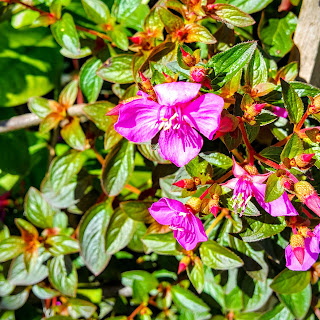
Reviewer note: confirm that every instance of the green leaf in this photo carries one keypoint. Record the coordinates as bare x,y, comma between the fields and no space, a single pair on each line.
64,168
256,71
298,303
5,286
120,231
265,117
96,112
272,153
32,60
92,232
218,257
119,37
185,299
96,10
278,312
139,278
293,103
288,281
274,188
7,315
117,69
122,9
69,94
16,301
118,167
220,163
227,64
11,247
40,106
24,18
78,308
196,275
199,33
250,6
293,147
38,211
62,245
199,168
17,161
65,33
160,243
153,23
137,210
42,292
262,227
276,37
152,155
232,15
20,276
172,23
90,83
73,134
63,275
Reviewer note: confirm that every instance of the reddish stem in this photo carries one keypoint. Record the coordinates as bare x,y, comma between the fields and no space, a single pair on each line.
136,311
246,141
307,213
93,32
301,122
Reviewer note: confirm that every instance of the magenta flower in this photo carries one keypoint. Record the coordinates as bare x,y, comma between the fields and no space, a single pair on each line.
187,228
280,112
303,262
246,185
177,115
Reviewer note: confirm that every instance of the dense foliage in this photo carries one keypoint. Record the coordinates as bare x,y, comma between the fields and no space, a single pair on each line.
165,166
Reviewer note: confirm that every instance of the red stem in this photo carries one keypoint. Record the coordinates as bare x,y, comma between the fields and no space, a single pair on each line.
246,141
301,122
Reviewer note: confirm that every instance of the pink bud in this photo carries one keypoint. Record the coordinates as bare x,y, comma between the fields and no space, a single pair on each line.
185,184
259,106
136,40
184,53
299,254
214,210
307,157
313,203
184,262
280,112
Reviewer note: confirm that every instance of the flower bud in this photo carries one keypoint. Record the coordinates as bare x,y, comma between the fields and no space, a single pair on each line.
215,189
194,204
168,78
146,84
137,40
313,134
183,264
187,58
305,161
307,194
214,205
287,183
298,245
185,184
198,74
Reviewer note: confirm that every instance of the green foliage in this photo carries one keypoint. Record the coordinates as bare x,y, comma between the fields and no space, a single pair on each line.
77,240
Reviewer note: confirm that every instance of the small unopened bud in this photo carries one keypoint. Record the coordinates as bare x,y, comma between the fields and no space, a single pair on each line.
194,204
304,190
183,264
185,184
251,111
187,58
305,232
292,163
287,183
214,205
198,74
137,40
297,245
145,82
252,170
305,161
168,78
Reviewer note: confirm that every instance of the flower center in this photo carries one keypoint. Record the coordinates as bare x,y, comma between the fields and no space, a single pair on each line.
170,118
179,222
242,194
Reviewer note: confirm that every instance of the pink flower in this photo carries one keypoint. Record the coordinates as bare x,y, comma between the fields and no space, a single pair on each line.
177,115
308,195
280,112
246,185
187,228
302,262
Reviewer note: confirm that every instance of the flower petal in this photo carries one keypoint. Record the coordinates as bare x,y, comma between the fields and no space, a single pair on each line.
311,254
161,211
237,170
230,183
170,94
277,208
260,178
180,145
190,240
204,114
137,120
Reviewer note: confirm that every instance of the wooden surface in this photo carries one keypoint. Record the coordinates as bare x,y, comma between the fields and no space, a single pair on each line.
307,41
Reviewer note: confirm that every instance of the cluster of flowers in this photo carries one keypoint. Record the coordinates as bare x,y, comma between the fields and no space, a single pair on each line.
172,115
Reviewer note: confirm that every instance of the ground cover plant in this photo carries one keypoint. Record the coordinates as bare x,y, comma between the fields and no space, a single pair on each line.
159,160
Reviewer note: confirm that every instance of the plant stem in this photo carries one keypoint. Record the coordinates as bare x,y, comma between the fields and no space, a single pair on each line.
282,142
268,162
136,311
93,32
246,141
301,122
222,214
